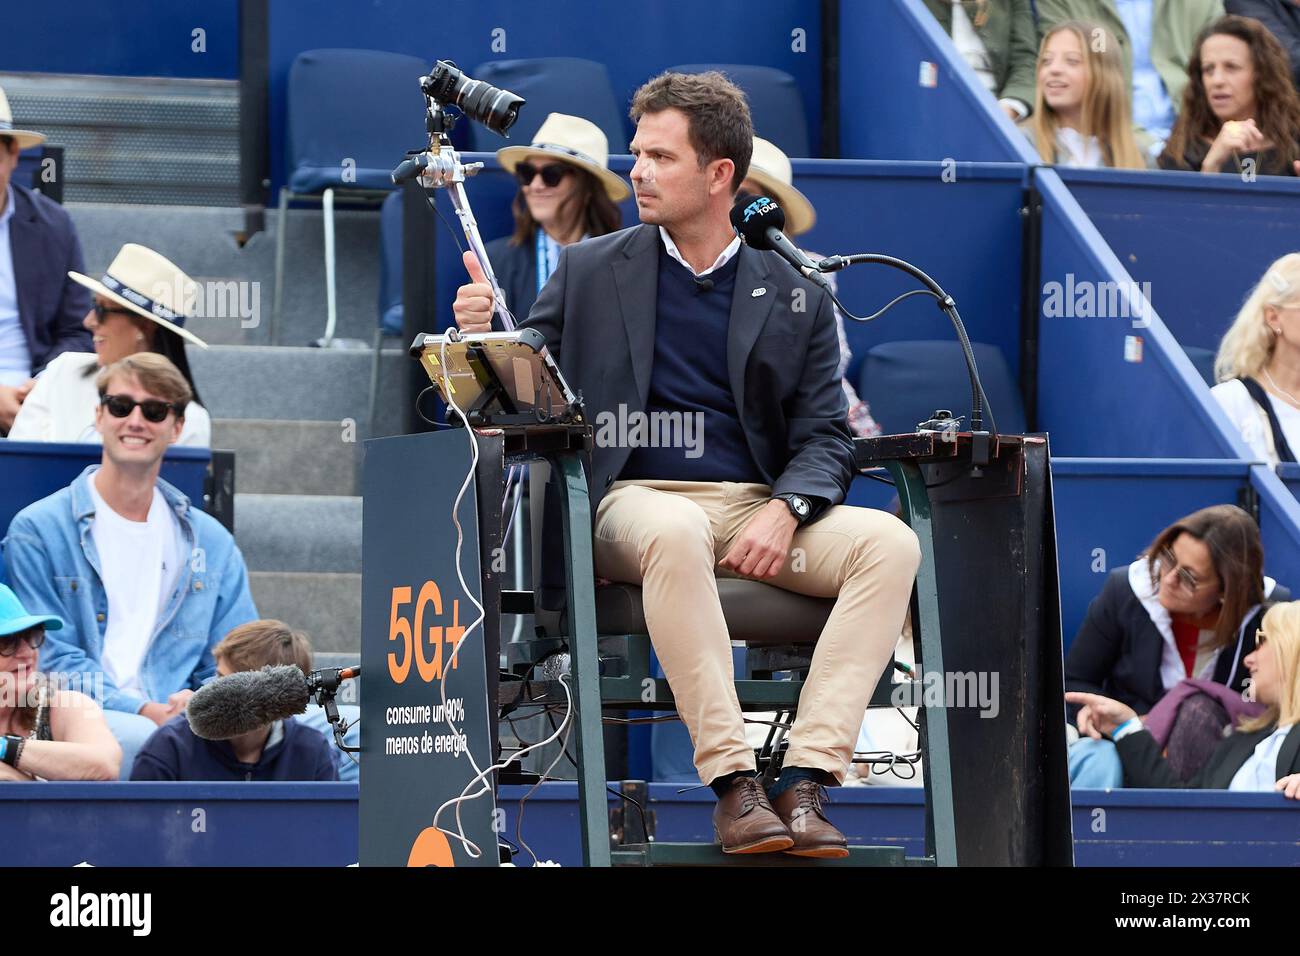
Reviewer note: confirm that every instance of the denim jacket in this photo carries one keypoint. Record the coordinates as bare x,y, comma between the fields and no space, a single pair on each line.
54,568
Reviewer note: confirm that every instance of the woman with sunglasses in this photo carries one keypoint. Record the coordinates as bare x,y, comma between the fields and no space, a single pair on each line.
140,305
1187,608
45,733
1262,753
566,193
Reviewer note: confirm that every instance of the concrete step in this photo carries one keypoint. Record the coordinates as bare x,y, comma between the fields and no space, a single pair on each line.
299,533
204,242
292,457
300,384
326,606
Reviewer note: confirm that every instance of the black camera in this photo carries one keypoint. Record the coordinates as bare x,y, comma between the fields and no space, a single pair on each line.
494,108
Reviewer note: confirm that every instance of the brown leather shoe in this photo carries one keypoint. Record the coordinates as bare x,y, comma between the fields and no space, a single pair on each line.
745,822
800,809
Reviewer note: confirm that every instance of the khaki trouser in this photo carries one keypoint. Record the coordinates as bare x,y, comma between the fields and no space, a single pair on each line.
668,536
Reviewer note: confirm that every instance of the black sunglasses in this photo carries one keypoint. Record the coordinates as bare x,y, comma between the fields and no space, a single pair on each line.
105,310
153,409
551,175
35,636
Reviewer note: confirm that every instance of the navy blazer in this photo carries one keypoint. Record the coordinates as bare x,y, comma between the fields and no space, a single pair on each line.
1118,649
516,271
598,315
51,307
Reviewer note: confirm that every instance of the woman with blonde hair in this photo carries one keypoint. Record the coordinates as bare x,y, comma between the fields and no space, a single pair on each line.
1261,754
1081,112
1258,365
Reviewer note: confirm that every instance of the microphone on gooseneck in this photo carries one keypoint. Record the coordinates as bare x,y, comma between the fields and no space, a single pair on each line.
242,702
703,285
759,223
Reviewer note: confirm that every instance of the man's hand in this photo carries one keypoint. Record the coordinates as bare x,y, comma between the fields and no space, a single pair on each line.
1099,715
11,399
760,550
177,702
473,305
158,713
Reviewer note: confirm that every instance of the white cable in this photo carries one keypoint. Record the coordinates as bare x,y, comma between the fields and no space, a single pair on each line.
564,747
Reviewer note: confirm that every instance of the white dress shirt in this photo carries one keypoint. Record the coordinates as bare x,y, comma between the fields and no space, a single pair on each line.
723,258
1259,772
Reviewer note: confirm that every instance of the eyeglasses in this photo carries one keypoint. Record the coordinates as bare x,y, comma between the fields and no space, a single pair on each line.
1186,579
35,637
1260,638
101,311
153,409
552,175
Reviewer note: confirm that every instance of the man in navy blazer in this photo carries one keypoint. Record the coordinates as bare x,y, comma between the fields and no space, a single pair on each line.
41,309
675,330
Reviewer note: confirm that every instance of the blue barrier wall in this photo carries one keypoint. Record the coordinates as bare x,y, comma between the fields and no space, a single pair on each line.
1202,242
964,230
633,41
1115,384
315,824
31,470
905,93
122,38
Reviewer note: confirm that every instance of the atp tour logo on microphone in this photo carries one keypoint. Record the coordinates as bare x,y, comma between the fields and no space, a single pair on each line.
759,207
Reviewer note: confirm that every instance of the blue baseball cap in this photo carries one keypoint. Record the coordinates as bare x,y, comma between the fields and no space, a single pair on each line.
14,618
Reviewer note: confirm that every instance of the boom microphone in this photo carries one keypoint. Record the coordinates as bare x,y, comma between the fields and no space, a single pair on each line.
242,702
759,223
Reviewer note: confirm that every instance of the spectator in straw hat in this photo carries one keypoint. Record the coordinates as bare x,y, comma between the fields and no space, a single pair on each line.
140,305
40,307
566,193
770,174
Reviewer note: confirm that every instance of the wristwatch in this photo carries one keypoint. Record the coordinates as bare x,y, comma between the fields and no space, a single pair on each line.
11,748
799,505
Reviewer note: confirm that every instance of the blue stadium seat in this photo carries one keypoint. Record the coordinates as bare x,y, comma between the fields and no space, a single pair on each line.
774,101
352,115
557,84
905,382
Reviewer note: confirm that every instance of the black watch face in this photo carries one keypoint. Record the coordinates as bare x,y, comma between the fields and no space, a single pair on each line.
800,506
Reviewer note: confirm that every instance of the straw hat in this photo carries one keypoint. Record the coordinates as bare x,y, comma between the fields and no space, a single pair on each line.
149,285
24,137
572,140
770,168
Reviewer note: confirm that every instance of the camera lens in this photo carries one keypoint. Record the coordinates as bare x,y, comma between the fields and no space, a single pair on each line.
495,108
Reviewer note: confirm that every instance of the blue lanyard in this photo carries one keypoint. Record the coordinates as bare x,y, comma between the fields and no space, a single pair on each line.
543,270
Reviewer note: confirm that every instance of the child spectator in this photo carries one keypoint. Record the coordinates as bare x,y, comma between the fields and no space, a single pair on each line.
1258,365
1081,115
1240,113
1155,49
283,750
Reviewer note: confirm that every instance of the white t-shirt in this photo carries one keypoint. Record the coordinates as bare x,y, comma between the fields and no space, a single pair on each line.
61,407
139,564
1246,418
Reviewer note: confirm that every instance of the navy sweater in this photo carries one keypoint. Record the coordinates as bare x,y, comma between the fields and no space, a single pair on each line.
689,377
173,752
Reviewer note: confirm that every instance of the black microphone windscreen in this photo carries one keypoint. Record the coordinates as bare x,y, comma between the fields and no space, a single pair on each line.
703,285
241,703
754,217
